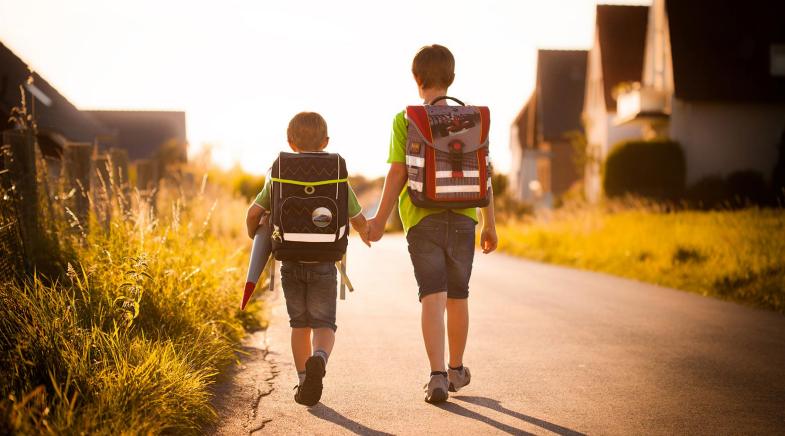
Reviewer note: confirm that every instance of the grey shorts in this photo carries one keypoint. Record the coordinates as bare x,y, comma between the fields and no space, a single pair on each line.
441,247
310,290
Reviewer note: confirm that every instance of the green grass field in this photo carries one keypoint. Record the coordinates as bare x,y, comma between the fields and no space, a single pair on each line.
733,255
129,339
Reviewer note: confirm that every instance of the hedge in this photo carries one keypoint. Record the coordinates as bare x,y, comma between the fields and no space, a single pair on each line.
653,169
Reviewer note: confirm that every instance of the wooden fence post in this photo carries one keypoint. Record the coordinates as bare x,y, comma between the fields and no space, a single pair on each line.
102,189
147,181
77,167
146,175
120,181
21,165
119,158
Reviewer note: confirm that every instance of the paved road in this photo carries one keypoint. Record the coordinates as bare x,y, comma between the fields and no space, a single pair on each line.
552,350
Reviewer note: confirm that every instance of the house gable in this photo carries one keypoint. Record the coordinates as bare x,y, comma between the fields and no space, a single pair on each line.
561,78
554,108
621,35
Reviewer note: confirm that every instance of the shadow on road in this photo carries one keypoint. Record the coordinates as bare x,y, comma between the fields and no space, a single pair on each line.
328,414
496,405
460,410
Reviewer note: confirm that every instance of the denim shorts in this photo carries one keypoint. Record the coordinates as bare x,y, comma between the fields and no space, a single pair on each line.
441,247
310,290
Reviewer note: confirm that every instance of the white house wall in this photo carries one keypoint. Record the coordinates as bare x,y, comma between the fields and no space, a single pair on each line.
526,172
529,173
721,138
620,133
605,135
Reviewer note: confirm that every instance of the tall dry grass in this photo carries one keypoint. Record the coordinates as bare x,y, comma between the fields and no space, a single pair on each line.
734,255
130,338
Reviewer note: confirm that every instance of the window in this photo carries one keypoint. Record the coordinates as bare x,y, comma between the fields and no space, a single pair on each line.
777,61
40,95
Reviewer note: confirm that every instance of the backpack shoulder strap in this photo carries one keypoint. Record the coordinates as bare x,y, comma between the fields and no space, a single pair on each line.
419,116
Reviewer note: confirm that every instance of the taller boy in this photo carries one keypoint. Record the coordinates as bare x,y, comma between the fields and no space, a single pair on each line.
441,242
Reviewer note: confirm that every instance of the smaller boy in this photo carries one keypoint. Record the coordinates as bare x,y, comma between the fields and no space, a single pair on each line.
308,287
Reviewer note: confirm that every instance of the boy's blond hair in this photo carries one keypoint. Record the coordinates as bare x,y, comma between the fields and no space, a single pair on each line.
307,130
434,67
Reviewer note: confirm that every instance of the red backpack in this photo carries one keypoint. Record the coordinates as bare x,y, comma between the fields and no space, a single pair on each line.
447,155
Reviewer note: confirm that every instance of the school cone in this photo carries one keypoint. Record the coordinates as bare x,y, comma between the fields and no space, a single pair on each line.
260,253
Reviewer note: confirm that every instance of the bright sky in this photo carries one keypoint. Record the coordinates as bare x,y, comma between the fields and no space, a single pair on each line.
242,69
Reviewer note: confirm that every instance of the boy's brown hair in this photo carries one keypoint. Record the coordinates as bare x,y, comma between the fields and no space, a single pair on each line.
307,130
434,67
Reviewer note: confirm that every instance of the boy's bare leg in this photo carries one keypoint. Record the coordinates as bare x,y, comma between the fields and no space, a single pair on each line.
457,329
323,339
433,306
301,346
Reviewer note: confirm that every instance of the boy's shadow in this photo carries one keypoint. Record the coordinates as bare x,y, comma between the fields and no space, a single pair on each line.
496,405
328,414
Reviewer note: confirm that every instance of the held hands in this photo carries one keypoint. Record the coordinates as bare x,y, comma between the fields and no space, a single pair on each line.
360,225
375,229
364,236
488,239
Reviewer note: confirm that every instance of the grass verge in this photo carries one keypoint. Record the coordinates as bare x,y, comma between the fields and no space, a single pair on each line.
733,255
129,339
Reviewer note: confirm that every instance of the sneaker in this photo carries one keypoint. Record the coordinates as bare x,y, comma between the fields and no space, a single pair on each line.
310,391
458,378
436,389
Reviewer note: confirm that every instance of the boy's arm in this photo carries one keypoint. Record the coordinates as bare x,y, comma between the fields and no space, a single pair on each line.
360,225
393,185
259,207
252,218
357,219
488,239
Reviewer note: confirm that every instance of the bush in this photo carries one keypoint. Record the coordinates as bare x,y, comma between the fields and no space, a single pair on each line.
652,169
499,182
778,175
237,181
740,189
709,193
509,209
748,187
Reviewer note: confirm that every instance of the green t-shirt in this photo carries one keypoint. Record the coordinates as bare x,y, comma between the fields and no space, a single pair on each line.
411,214
263,198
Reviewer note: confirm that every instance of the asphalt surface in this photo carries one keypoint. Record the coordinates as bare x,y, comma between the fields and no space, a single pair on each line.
552,351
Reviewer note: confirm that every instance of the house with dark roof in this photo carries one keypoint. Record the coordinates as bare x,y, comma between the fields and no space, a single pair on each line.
542,157
144,134
713,79
58,120
615,59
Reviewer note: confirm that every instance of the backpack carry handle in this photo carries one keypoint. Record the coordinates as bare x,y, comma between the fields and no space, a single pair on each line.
444,97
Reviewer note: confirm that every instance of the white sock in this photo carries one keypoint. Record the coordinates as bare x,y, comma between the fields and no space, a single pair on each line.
301,376
323,354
